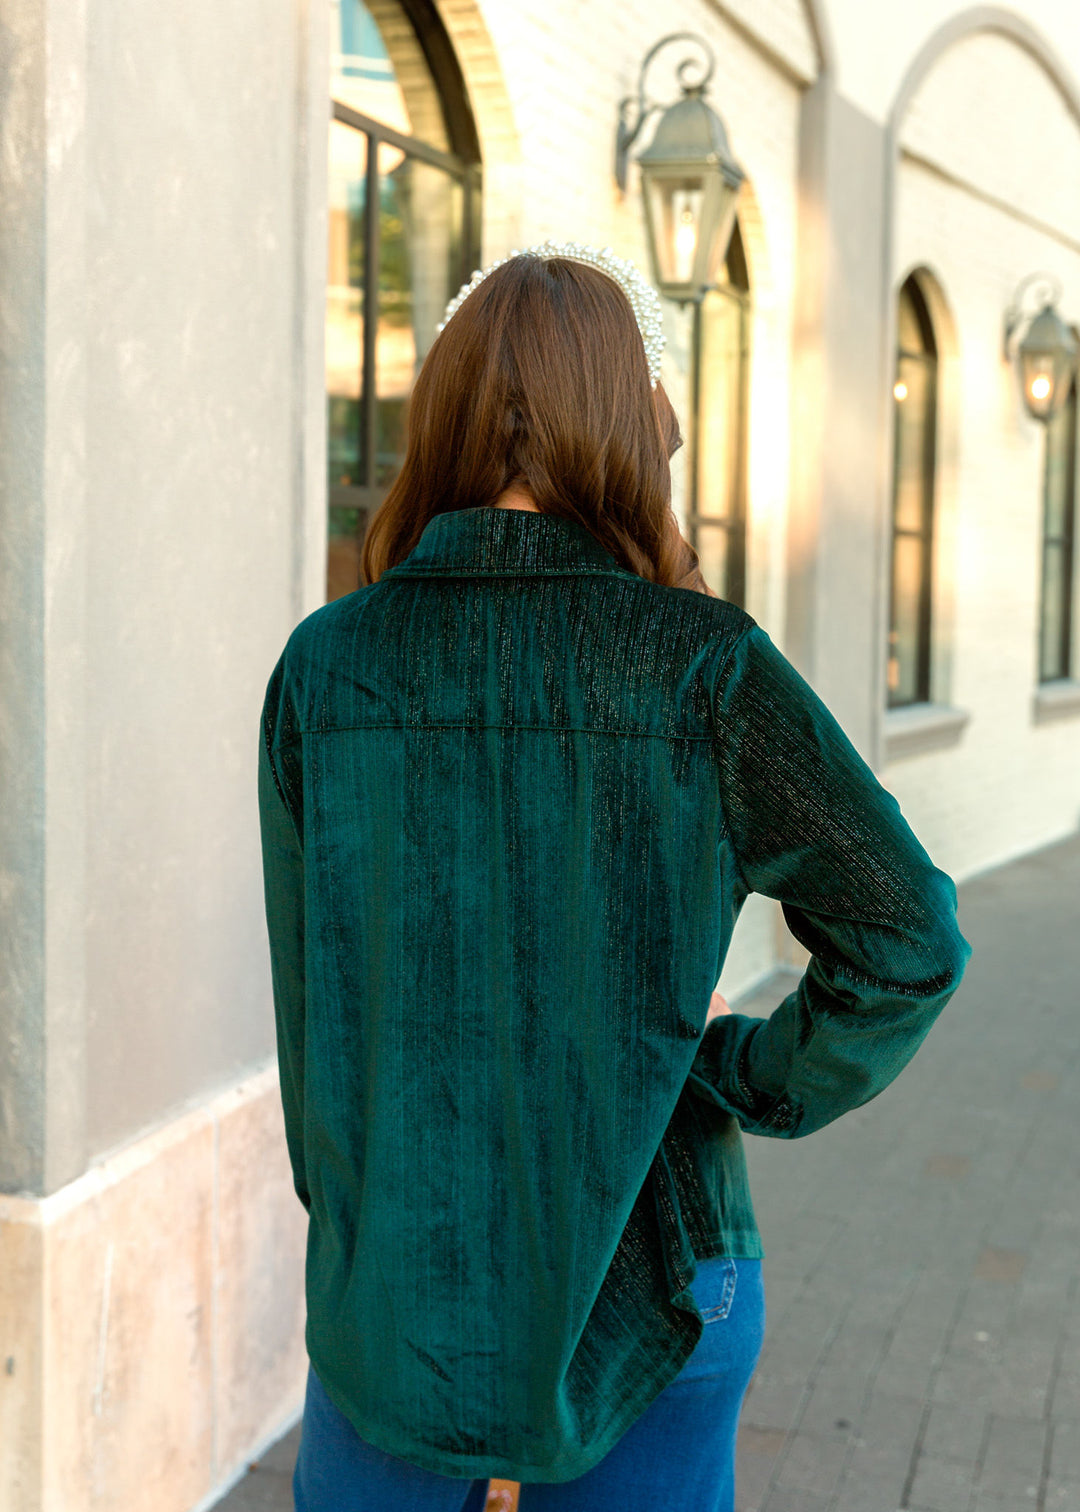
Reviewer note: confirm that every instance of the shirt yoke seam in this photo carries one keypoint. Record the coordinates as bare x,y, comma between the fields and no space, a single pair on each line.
550,729
456,724
446,571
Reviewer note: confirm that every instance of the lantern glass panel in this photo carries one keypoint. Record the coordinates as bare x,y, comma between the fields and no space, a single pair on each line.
676,205
719,225
1044,381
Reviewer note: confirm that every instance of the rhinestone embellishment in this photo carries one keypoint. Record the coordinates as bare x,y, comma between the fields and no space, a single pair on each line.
643,298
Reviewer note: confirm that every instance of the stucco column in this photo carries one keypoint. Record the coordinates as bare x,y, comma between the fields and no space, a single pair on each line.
836,533
43,361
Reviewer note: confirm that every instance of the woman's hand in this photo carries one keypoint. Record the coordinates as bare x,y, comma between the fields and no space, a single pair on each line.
717,1004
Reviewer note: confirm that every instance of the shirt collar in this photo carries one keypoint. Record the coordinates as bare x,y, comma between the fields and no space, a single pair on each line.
490,541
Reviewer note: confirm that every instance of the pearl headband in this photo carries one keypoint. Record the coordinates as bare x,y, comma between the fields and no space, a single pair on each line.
642,296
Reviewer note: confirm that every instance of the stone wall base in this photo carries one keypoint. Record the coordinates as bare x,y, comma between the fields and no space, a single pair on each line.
152,1316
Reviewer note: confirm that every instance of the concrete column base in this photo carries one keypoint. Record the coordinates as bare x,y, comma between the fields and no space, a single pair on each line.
152,1316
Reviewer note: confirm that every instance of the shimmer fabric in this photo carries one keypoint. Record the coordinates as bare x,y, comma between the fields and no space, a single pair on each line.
513,798
692,1423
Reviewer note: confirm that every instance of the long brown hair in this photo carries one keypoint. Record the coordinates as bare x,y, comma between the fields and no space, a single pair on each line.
540,379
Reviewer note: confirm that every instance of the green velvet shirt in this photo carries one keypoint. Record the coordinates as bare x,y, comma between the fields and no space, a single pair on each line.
513,798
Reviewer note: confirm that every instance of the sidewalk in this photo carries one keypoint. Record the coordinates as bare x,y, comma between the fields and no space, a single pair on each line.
922,1256
923,1252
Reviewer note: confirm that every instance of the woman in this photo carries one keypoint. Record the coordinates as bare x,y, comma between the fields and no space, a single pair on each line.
514,792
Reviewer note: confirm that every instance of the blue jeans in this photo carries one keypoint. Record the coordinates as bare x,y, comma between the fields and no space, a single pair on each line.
682,1445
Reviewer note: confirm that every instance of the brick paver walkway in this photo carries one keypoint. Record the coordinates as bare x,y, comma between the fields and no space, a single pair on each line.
922,1258
922,1343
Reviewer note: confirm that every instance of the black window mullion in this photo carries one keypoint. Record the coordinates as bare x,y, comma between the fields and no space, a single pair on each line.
929,474
413,145
371,306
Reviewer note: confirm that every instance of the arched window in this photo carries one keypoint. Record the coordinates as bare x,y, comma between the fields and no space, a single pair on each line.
1058,544
716,512
915,443
404,235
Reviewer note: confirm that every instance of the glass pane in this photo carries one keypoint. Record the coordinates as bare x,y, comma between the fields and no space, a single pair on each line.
913,395
735,270
1060,469
719,431
343,552
909,331
373,54
1051,624
676,212
904,629
344,304
711,545
420,218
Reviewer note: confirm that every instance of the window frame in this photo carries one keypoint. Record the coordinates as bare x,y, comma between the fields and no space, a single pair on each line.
929,357
1065,542
461,163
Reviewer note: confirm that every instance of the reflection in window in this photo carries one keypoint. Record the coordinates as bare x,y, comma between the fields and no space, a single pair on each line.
403,228
915,398
716,516
1059,536
345,306
420,238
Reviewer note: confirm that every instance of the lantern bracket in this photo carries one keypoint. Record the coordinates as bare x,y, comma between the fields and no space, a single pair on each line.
1051,291
627,133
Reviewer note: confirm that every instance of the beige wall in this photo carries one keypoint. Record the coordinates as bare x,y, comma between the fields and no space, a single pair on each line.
197,386
162,237
875,45
984,197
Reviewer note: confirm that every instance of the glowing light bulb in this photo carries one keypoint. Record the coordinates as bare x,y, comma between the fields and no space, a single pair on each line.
900,391
1040,387
686,239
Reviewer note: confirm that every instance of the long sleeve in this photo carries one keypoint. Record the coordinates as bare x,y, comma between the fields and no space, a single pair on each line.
283,883
812,827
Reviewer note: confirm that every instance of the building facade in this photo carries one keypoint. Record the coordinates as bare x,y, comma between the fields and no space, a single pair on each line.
226,237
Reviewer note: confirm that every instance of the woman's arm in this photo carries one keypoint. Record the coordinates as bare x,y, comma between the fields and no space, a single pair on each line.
811,826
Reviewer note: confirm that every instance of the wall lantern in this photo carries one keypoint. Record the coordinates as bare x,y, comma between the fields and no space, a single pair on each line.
1047,351
690,182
